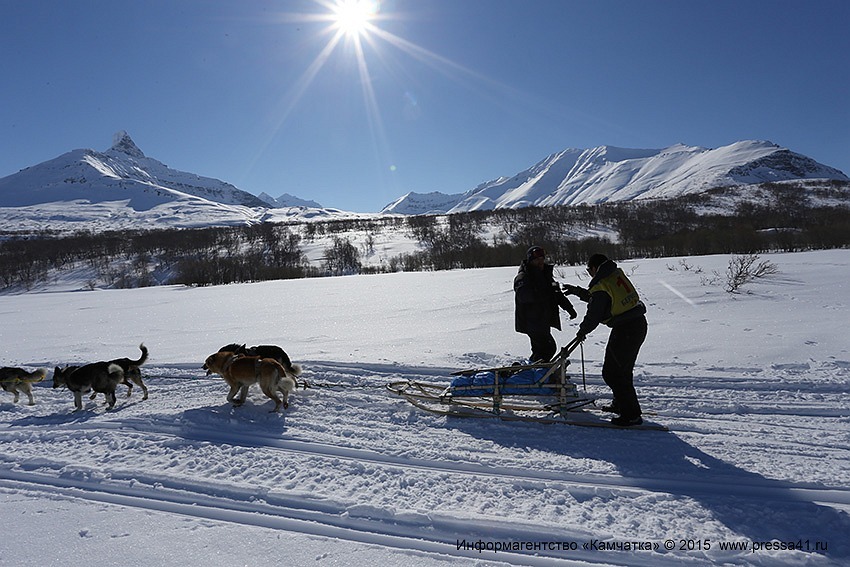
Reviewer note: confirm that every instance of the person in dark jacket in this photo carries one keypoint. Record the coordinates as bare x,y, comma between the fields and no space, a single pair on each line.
537,297
614,301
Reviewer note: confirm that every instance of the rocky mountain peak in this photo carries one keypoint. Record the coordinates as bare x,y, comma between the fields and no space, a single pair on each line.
122,142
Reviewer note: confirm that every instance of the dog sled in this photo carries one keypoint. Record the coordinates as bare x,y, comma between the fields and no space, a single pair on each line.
536,391
541,392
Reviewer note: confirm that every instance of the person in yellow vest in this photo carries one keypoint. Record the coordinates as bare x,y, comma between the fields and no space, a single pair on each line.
614,301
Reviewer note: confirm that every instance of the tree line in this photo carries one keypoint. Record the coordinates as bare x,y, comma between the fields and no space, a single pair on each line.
776,217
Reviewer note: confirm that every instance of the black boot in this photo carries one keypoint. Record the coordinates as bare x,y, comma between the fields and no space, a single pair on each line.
623,421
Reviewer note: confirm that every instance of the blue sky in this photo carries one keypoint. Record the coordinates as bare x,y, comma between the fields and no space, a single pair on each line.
446,94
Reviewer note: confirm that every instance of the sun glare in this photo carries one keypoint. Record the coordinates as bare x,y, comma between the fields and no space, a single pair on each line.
353,16
354,26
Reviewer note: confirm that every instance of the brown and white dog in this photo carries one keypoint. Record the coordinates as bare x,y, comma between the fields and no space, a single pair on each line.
240,371
267,351
18,381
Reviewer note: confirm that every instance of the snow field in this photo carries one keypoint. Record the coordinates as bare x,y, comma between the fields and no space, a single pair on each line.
752,386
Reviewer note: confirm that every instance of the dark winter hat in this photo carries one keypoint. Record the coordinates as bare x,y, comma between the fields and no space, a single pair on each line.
534,252
596,260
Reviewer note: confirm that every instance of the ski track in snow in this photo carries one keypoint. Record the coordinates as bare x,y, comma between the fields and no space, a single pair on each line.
350,461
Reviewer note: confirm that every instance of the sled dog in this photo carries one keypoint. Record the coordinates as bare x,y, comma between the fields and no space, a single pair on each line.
18,381
102,377
267,351
133,372
240,371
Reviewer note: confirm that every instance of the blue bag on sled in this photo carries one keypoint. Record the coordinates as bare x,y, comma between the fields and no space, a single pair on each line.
519,383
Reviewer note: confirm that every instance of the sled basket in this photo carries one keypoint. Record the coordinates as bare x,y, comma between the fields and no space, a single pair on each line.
539,389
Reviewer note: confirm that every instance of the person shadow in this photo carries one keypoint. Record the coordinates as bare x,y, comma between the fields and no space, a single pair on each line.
751,506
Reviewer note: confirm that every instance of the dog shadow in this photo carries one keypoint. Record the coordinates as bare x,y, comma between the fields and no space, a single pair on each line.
89,412
748,504
233,424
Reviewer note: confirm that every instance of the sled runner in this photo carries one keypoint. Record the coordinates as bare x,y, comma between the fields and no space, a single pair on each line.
541,392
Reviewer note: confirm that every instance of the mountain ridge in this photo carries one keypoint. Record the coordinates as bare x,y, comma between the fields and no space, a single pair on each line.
122,172
608,173
123,188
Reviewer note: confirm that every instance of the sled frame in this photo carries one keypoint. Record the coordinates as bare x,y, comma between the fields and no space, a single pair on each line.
468,401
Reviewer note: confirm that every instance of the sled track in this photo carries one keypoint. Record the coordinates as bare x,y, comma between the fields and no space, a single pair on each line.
433,534
335,516
284,514
430,534
289,447
778,491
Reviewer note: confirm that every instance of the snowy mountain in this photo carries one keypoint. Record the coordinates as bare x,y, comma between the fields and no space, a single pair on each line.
121,172
122,188
602,174
287,200
422,204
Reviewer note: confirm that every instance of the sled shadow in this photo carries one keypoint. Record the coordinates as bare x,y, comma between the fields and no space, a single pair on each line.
750,505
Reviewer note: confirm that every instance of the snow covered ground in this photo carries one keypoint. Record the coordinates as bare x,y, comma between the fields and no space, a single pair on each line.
753,386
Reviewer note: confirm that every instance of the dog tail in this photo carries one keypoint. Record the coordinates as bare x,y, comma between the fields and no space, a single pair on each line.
293,371
37,375
289,383
115,372
142,358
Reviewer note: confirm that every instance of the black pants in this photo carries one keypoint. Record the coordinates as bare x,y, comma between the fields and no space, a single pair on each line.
618,368
543,346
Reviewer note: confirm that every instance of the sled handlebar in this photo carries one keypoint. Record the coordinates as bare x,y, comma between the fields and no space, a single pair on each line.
567,349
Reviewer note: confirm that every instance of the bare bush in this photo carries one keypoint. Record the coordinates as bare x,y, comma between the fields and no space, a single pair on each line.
745,269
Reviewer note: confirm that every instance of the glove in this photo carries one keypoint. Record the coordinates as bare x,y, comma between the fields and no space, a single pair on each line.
572,289
572,313
581,336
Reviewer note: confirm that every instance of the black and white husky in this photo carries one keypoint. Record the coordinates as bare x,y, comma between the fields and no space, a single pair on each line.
132,373
102,377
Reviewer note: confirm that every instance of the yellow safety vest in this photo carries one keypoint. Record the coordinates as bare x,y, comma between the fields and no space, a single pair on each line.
623,294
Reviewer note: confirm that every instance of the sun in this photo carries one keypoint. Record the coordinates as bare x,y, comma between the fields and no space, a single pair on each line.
353,17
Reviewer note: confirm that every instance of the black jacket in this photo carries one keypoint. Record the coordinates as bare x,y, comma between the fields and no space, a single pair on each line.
537,298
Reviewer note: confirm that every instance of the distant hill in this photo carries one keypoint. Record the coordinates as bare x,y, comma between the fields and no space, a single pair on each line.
605,174
287,200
